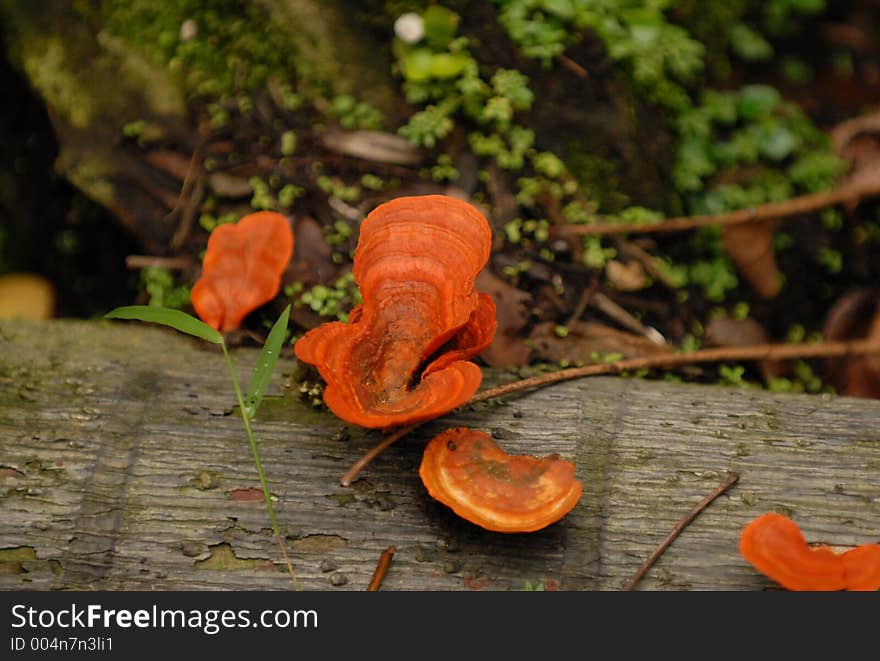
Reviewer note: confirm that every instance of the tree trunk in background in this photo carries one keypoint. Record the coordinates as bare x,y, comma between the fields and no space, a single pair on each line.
95,84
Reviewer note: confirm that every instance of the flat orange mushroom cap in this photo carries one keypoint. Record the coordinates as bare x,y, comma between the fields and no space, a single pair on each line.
242,269
775,545
465,470
403,357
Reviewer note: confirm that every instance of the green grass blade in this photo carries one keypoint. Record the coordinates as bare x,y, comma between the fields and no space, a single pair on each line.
266,364
167,317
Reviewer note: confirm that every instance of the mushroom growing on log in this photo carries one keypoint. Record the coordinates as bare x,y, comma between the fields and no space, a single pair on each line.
242,269
776,547
403,357
464,469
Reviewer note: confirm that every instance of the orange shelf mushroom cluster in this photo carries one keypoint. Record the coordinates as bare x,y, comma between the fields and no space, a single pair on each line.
242,269
775,545
403,357
465,470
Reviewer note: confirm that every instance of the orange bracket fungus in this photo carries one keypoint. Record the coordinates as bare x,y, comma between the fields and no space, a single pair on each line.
775,546
403,357
465,470
242,269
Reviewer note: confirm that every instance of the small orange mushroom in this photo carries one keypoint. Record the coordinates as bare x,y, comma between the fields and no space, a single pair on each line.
464,469
776,547
242,269
403,357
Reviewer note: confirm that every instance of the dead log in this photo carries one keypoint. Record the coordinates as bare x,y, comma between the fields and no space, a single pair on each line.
124,467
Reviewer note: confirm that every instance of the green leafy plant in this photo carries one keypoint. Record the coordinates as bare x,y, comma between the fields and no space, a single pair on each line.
749,128
248,403
159,285
658,55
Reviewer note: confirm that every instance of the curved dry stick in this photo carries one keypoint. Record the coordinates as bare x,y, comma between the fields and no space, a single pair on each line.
748,353
352,473
732,479
848,193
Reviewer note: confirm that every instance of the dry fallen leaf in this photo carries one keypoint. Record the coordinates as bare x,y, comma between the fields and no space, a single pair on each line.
626,277
229,185
312,264
507,349
724,331
857,141
855,315
376,146
750,246
170,162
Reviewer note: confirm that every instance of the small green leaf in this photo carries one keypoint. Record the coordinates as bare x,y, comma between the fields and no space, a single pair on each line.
748,44
266,364
440,25
167,317
564,9
448,65
757,101
417,65
778,143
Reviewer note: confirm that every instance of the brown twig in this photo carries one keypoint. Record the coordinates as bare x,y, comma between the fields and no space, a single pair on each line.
732,479
717,355
352,473
789,351
381,569
577,69
583,302
843,133
190,195
150,261
601,302
848,193
630,249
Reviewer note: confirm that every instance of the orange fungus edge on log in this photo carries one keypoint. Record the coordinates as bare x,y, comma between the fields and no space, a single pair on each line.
466,470
775,546
242,268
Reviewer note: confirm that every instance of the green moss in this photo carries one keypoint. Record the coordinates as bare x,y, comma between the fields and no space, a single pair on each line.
227,46
289,408
11,559
223,558
204,480
45,63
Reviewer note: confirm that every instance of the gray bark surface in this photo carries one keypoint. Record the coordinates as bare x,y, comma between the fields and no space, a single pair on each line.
124,467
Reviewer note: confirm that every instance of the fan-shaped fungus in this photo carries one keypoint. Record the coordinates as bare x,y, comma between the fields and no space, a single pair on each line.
242,268
776,547
403,355
465,470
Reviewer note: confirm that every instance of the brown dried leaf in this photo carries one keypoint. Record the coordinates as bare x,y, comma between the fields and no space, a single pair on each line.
586,338
855,315
170,162
312,264
626,277
857,141
750,246
724,331
508,349
376,146
229,186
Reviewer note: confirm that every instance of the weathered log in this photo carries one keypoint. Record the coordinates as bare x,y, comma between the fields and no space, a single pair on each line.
123,466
